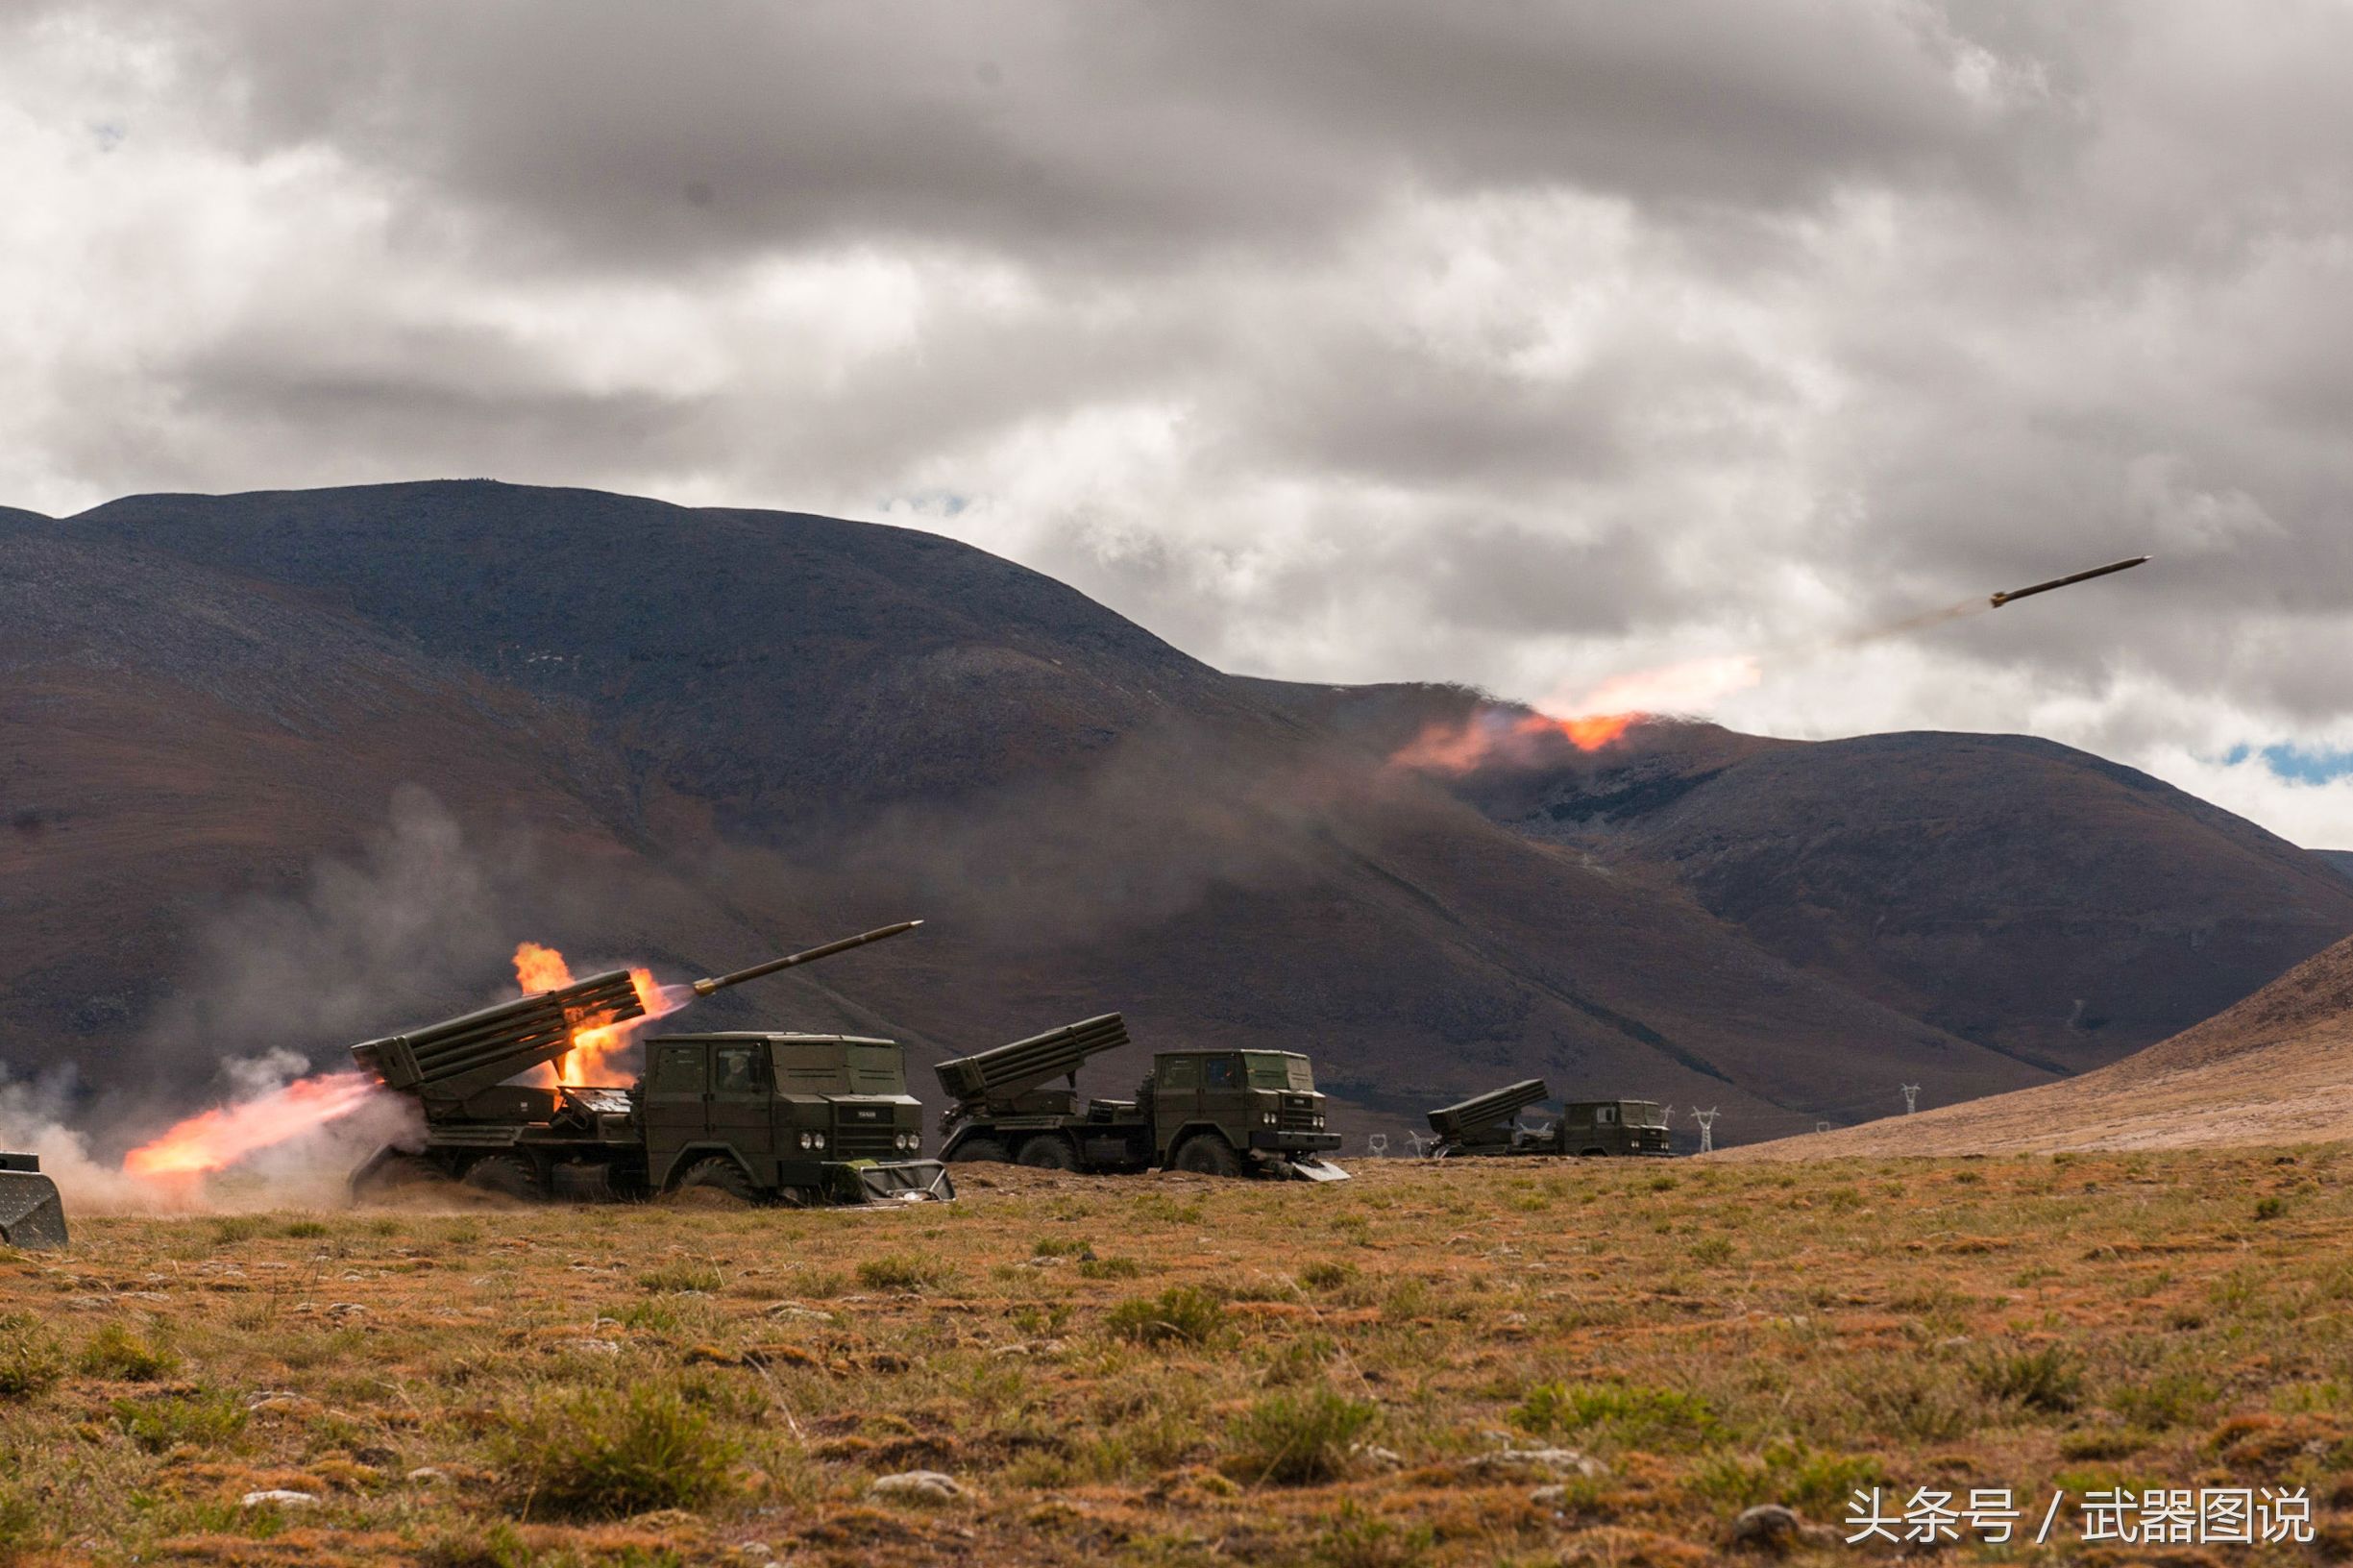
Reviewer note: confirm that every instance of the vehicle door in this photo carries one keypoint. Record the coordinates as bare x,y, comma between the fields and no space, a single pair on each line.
1609,1129
1176,1098
743,1102
676,1104
1226,1098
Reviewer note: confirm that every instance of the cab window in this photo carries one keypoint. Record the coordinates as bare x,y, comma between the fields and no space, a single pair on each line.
1605,1115
1279,1069
677,1069
738,1070
1181,1072
876,1070
1221,1073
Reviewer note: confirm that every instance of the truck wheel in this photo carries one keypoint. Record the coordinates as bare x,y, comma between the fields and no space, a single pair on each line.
719,1174
392,1174
506,1174
981,1151
1206,1154
1049,1153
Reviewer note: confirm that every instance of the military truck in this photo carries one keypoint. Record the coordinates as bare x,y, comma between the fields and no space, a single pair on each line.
785,1117
1218,1113
1488,1123
32,1214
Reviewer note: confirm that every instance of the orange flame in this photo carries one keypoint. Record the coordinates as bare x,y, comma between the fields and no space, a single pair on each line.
1603,716
540,969
225,1135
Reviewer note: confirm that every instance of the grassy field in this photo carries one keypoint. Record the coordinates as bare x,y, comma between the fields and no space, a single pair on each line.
1170,1370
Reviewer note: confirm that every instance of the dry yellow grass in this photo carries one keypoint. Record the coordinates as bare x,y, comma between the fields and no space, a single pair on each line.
1168,1370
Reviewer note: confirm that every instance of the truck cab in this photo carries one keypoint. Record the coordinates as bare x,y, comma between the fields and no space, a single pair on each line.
790,1111
1612,1127
1212,1110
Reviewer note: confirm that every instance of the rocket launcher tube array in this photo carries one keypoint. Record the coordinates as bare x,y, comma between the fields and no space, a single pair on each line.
460,1057
1009,1069
1486,1110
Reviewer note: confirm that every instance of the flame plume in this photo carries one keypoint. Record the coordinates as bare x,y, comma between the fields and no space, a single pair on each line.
1601,717
213,1140
538,969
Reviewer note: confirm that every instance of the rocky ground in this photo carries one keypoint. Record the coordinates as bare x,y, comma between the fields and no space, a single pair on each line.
1482,1362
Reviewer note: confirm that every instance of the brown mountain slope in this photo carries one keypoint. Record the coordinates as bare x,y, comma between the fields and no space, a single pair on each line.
695,738
2275,1069
2036,899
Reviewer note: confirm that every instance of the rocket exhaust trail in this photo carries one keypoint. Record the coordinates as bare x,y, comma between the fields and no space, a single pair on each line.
1921,621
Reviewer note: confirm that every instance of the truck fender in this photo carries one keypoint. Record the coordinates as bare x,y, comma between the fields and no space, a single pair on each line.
694,1154
1176,1139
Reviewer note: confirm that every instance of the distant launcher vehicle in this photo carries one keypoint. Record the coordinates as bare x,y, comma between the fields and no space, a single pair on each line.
784,1118
1217,1113
1488,1124
32,1214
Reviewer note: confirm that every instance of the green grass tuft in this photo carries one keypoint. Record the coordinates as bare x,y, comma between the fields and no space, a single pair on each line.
2049,1379
30,1361
607,1455
202,1420
901,1271
1295,1439
681,1279
1180,1314
116,1351
1627,1413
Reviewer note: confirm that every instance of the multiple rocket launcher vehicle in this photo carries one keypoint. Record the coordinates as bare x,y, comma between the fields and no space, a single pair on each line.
803,1119
1217,1113
1488,1124
774,1115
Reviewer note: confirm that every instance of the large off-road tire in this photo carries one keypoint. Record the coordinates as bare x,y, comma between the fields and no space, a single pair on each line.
981,1151
1207,1154
719,1174
1049,1152
395,1175
508,1175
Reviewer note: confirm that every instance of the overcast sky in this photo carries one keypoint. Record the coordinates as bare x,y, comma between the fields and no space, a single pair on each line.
1526,345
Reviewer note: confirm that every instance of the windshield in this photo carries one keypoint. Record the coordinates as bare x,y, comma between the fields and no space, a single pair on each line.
1279,1069
1644,1114
876,1070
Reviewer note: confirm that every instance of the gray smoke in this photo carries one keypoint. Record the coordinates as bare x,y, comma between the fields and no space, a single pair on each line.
364,944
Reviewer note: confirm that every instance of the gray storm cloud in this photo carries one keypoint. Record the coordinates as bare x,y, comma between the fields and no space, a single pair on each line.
1520,345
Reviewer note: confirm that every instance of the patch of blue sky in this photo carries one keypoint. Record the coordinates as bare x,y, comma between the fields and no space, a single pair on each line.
2299,764
927,503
